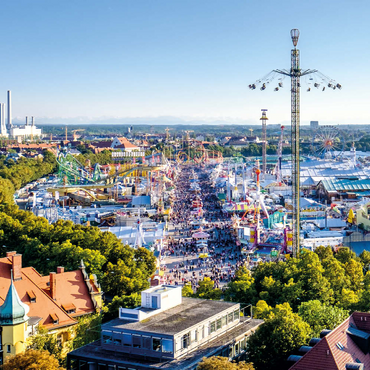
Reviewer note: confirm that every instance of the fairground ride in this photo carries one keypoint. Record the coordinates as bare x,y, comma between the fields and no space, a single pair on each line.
328,142
316,80
196,153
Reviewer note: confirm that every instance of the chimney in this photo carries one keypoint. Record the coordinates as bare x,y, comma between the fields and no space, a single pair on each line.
33,121
9,254
53,285
60,270
26,120
17,266
9,109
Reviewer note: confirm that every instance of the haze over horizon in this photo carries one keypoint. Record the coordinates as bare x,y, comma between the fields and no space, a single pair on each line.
159,62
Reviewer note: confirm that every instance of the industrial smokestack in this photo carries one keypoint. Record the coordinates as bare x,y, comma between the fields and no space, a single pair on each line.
2,119
26,120
33,121
9,110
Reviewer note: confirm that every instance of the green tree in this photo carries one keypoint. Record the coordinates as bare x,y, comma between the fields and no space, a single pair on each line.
44,341
218,362
324,252
282,333
187,291
206,290
32,360
6,192
241,288
345,255
129,301
87,330
320,316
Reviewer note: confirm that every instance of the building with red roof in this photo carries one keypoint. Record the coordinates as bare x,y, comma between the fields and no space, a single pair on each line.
54,301
347,347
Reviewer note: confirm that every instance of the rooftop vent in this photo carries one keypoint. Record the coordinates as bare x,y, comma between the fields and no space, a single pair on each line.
294,358
314,341
304,349
324,333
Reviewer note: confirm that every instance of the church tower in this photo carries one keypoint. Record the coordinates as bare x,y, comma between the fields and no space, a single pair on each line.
13,323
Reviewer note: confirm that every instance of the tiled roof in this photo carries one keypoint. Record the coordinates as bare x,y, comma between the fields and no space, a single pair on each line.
125,144
102,144
337,348
70,289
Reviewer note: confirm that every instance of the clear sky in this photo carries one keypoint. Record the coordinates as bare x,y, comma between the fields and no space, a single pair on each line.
89,60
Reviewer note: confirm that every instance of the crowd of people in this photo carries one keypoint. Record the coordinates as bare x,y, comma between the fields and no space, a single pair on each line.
186,262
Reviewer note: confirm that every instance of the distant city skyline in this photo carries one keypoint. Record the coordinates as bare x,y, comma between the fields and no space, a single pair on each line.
186,61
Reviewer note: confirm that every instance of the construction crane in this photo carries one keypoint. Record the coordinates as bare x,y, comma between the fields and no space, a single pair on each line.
187,132
295,73
167,134
74,132
264,142
280,153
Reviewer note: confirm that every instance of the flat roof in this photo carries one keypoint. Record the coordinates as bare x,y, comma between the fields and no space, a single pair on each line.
94,351
176,319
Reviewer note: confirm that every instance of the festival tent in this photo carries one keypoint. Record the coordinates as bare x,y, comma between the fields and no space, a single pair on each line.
201,235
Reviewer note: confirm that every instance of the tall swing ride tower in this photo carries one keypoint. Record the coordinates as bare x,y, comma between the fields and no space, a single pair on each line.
296,73
264,142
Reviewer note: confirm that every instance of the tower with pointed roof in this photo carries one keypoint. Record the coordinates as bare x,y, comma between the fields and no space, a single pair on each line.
13,323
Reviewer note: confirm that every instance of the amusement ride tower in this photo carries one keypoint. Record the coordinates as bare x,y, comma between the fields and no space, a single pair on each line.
264,142
295,73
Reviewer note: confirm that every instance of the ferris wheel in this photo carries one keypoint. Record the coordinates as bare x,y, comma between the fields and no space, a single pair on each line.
328,142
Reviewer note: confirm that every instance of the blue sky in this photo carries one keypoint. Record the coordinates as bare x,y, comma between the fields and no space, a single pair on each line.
87,60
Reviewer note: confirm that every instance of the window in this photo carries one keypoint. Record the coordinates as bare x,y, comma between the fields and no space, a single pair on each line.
54,318
117,341
243,344
156,344
107,338
127,340
147,342
8,348
196,335
136,341
236,314
218,324
230,351
237,346
213,326
231,317
223,321
167,346
185,340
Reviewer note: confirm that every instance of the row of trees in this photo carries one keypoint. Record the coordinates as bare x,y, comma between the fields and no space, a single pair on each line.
120,269
14,175
296,299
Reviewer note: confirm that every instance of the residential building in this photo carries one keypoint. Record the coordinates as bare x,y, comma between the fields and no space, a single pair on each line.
123,144
314,125
347,347
53,301
167,332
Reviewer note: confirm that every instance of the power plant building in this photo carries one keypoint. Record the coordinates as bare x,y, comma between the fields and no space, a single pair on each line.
20,132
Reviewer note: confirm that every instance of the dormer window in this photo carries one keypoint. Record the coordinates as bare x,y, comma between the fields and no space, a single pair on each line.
55,318
31,296
69,308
